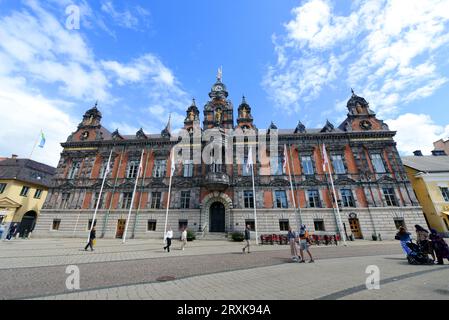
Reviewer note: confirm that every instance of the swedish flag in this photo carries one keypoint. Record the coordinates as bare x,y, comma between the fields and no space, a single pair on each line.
42,143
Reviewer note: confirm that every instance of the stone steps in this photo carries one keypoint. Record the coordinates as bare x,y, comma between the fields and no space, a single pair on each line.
213,236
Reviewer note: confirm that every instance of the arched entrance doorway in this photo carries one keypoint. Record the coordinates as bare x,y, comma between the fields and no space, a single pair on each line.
217,214
28,223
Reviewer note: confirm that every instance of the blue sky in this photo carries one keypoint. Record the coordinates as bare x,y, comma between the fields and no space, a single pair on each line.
293,60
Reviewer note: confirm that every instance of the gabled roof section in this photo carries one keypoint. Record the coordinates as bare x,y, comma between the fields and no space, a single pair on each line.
27,170
8,203
430,164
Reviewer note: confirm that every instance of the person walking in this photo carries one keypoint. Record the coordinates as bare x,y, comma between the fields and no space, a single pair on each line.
168,236
247,238
184,239
422,239
92,237
303,244
291,236
404,237
12,231
440,246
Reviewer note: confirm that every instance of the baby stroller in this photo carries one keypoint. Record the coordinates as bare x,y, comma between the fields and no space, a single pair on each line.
416,256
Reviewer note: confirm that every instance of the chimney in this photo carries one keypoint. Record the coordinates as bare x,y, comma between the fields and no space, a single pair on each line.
438,153
418,153
14,156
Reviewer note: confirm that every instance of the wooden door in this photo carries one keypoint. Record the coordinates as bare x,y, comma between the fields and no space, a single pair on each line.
217,217
121,223
355,228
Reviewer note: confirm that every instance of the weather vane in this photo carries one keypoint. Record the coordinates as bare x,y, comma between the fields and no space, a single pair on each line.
220,73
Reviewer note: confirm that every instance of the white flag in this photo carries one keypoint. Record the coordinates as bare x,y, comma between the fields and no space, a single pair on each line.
325,158
141,167
172,164
249,161
284,161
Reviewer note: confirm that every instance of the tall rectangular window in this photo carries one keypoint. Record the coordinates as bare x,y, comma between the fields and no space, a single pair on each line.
347,198
251,223
95,200
89,224
133,167
2,187
182,224
281,199
38,194
307,165
314,198
277,165
126,200
103,170
155,200
390,197
283,224
185,199
55,225
159,168
399,222
74,169
248,199
246,170
378,163
319,225
445,193
24,191
188,168
65,200
151,225
337,163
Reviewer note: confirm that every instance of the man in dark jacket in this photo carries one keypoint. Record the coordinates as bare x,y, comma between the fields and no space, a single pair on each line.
92,237
12,231
247,238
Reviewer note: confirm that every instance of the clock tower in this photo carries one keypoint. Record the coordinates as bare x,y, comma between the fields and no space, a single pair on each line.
360,117
90,128
218,111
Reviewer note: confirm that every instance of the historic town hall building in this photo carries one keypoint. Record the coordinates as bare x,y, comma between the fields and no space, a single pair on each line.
374,194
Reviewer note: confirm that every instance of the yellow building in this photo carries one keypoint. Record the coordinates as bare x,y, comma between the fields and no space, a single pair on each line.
429,176
23,188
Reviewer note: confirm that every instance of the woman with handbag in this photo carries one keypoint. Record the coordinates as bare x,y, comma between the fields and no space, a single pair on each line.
91,242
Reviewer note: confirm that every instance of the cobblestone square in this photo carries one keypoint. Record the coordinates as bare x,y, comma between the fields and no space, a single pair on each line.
36,269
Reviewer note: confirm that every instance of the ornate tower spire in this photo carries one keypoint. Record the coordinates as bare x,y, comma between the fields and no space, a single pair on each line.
166,133
245,119
220,74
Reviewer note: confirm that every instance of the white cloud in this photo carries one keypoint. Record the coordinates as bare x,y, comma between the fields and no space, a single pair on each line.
316,27
416,132
386,50
45,65
24,114
42,49
125,18
141,69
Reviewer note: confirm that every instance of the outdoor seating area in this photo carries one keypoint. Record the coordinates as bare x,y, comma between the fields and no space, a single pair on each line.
318,239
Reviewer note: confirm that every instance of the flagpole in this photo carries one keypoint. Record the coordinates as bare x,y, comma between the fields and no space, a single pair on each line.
34,146
291,184
339,222
172,159
255,203
106,172
132,198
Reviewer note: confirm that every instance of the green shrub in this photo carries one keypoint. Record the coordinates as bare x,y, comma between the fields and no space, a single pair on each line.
237,236
190,235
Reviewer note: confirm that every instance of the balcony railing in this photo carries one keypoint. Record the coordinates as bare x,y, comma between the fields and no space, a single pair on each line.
216,181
